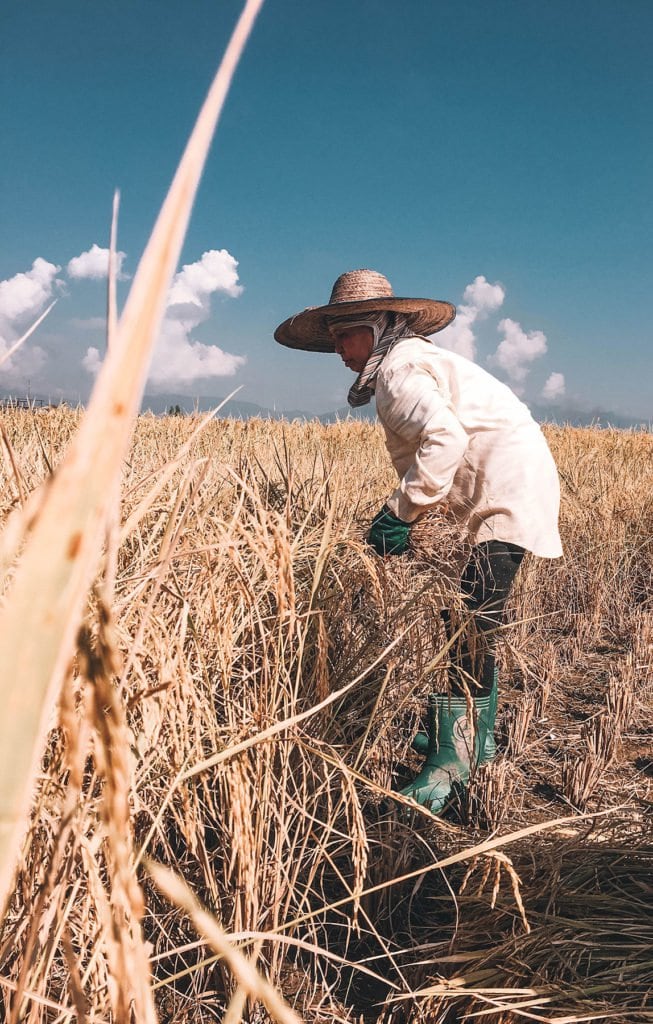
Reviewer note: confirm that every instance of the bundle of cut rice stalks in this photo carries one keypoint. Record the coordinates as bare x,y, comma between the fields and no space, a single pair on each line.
588,954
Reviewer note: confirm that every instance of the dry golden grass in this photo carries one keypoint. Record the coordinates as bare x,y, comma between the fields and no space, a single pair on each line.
205,666
187,733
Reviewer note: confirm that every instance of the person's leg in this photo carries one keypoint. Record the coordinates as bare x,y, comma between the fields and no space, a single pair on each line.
452,747
486,584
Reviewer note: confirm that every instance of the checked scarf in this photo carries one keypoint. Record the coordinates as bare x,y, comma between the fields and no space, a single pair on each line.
388,328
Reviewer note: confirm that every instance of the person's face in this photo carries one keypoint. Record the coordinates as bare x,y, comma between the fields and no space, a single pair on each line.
354,345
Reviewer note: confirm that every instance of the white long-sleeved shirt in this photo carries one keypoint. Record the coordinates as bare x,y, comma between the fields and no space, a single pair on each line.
456,433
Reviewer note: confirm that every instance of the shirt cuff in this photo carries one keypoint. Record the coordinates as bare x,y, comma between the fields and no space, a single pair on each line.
404,509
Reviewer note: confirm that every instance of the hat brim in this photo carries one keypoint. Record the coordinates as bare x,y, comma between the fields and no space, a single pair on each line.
308,330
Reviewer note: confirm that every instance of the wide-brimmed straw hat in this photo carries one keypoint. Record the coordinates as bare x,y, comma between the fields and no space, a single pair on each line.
355,292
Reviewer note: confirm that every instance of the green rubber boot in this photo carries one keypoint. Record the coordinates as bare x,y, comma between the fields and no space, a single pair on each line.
421,741
490,749
451,753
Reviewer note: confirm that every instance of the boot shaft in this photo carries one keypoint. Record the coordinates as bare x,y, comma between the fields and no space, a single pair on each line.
455,736
456,741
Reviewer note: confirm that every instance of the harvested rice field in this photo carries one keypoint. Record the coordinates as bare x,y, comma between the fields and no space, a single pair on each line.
212,831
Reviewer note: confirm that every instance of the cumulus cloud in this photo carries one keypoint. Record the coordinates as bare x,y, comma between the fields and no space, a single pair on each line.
480,298
22,298
92,361
459,336
518,350
179,359
216,271
26,364
483,297
554,387
93,264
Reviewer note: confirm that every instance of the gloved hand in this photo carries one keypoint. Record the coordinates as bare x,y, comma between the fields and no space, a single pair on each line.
388,534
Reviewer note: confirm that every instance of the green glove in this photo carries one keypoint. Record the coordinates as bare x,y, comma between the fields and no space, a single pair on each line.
388,535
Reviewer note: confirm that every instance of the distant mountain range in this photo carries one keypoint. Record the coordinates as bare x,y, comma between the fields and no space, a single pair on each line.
562,414
575,417
238,409
164,403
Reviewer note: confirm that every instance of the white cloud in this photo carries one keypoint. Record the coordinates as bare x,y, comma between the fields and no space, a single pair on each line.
554,387
93,264
179,360
25,365
480,298
22,298
484,297
518,350
216,271
459,336
92,361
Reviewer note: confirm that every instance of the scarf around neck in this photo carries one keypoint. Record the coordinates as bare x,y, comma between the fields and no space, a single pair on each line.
388,329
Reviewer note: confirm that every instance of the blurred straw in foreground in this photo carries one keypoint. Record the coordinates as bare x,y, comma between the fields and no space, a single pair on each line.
44,608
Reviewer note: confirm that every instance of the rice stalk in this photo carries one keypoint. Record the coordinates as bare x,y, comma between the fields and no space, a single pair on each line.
248,977
214,667
61,555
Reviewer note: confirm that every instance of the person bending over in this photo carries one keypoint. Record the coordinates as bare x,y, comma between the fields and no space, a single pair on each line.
454,432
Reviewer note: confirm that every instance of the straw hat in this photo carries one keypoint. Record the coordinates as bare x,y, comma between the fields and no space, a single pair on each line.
354,292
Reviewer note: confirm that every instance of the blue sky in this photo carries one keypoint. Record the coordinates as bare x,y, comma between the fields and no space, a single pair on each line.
494,154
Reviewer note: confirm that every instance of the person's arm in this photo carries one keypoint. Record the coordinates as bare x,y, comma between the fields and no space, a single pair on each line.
413,408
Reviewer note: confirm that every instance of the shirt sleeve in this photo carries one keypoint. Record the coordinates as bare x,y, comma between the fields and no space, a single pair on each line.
417,418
